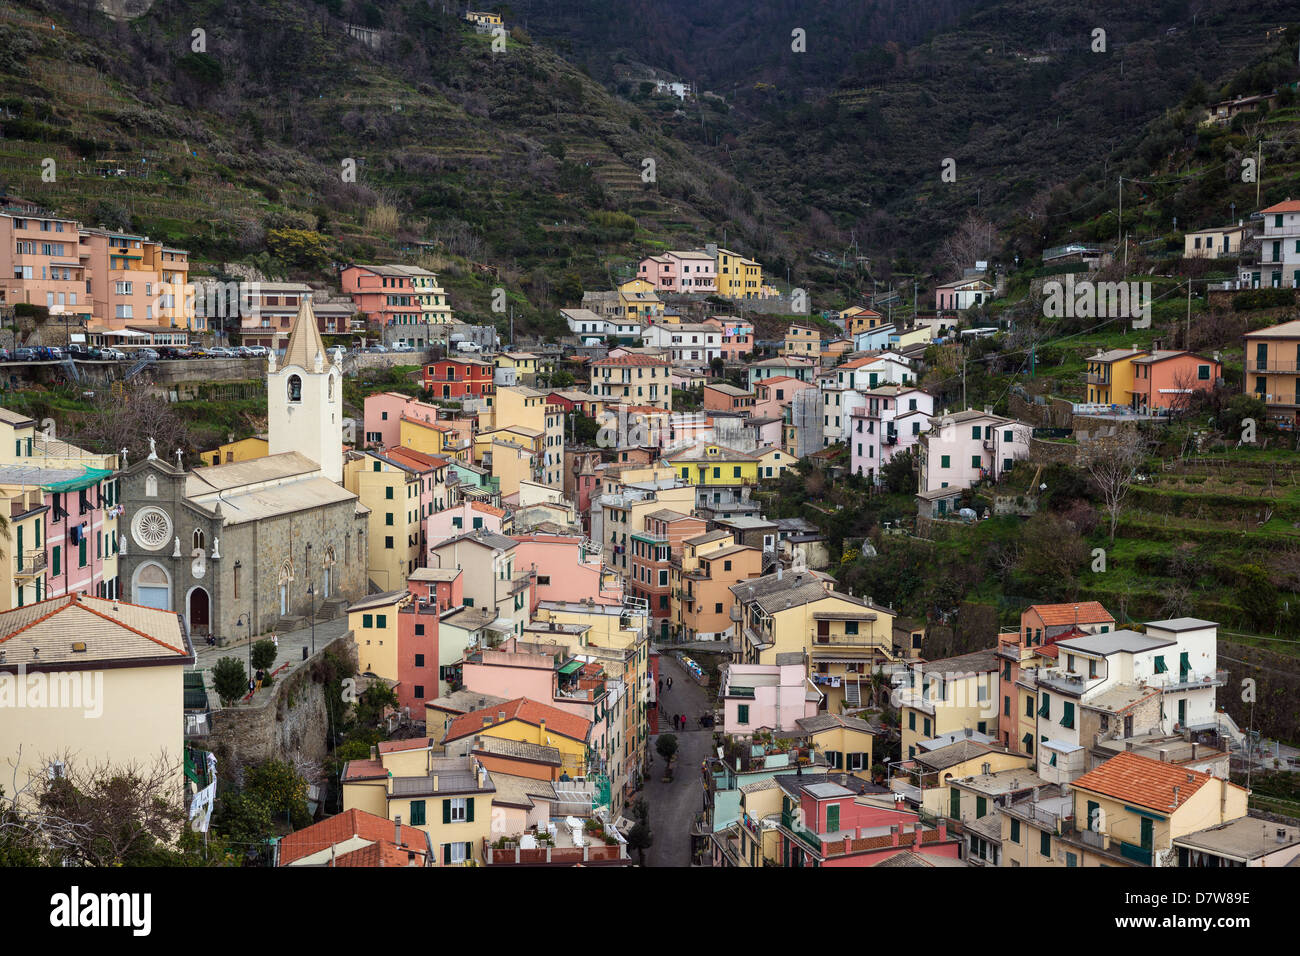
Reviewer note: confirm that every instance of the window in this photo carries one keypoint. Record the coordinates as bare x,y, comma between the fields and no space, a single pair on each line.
943,461
1045,844
1015,831
388,543
367,620
833,818
1046,709
417,813
388,493
981,807
458,810
974,461
1160,664
1006,706
1067,714
381,620
295,395
911,720
742,714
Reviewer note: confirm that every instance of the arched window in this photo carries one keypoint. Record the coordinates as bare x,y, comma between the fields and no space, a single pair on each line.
200,540
295,388
331,387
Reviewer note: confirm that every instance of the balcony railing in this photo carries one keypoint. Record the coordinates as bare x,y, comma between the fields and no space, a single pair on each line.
1255,365
850,640
31,563
1187,680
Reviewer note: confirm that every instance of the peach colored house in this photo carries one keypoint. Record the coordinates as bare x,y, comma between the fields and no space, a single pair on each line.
383,417
566,569
737,337
462,517
772,396
723,397
1163,379
706,596
767,696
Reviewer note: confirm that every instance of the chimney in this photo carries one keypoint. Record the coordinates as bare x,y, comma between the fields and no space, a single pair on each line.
541,727
916,836
1175,795
1164,755
848,843
893,835
397,831
435,783
968,734
1281,834
374,751
943,829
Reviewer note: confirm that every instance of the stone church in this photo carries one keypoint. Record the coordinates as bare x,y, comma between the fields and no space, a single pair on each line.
246,541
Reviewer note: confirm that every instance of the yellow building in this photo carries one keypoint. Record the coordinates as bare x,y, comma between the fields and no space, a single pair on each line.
846,742
527,721
487,19
637,300
392,493
449,798
1109,379
373,623
245,449
949,695
773,462
619,639
432,438
530,408
932,772
916,336
109,675
1124,812
712,464
738,277
804,341
759,800
524,365
23,563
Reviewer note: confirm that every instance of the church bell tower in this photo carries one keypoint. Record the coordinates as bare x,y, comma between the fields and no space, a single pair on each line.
305,398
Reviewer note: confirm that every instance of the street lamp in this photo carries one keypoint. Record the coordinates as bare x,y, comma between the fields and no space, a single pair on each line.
311,595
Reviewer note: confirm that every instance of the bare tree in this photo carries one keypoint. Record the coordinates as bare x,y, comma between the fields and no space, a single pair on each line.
1112,464
130,424
974,239
94,813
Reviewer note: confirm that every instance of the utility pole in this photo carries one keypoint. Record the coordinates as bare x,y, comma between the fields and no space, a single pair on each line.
1259,146
1120,228
963,378
1187,336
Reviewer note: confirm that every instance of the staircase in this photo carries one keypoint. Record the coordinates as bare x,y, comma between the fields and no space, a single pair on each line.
331,609
136,367
852,694
290,623
74,373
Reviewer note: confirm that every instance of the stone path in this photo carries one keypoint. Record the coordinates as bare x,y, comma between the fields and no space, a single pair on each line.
291,645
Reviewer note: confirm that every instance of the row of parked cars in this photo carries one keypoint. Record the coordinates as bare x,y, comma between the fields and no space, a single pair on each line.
94,353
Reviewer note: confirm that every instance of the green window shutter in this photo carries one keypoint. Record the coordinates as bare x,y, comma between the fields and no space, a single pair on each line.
1046,709
927,727
981,807
1006,706
58,560
833,819
1184,665
742,713
81,552
20,548
446,852
1029,706
1045,844
955,799
446,814
1015,831
417,813
367,620
388,492
911,720
469,810
1160,664
1067,714
943,461
381,620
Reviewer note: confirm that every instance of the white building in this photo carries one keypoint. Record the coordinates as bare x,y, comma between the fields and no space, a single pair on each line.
1279,249
688,343
890,420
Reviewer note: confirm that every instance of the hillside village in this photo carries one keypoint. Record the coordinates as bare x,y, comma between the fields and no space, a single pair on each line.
995,567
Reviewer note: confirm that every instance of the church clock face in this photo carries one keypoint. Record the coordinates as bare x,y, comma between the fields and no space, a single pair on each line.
151,528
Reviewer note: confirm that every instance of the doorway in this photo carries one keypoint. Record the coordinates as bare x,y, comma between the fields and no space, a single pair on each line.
200,612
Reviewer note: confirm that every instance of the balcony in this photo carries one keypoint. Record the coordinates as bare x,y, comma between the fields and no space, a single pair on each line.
1188,680
1091,378
1135,853
1282,367
30,564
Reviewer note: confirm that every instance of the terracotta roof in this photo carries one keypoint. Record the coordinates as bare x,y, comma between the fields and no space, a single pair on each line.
1089,612
379,854
356,770
1139,780
1291,205
344,826
409,456
109,630
487,509
524,710
396,746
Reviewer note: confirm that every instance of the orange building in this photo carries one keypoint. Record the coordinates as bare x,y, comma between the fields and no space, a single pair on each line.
1163,379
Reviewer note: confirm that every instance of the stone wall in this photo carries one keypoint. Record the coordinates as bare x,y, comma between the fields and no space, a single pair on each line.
291,721
1052,452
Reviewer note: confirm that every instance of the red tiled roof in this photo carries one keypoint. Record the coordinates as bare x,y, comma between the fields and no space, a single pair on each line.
1143,781
355,770
397,746
1090,612
1291,205
524,710
487,509
417,458
336,829
379,854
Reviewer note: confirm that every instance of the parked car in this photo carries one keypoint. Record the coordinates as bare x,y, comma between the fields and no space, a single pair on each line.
24,354
403,347
113,355
377,348
170,352
52,353
145,353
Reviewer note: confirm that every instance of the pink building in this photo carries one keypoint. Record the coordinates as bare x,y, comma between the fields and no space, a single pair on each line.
567,570
767,696
737,337
891,420
679,271
417,655
431,475
772,396
830,826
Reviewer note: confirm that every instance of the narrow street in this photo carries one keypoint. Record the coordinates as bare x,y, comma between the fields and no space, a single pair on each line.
673,805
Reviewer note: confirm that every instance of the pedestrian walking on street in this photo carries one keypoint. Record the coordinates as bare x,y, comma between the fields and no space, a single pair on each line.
661,685
670,683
